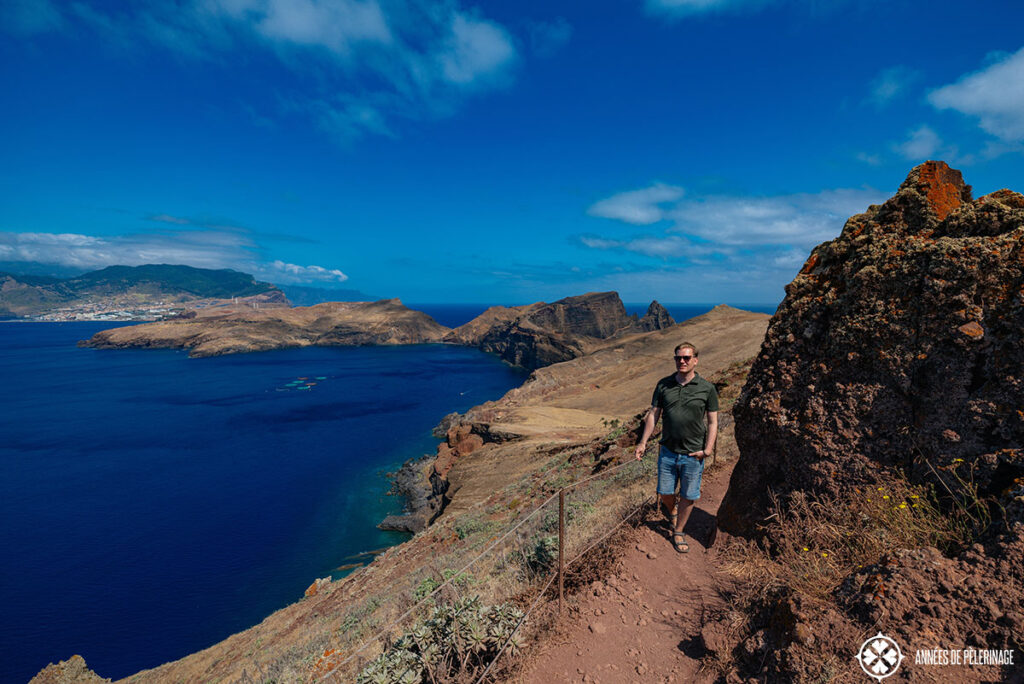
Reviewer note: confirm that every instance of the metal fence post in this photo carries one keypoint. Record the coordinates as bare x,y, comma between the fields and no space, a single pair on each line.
561,545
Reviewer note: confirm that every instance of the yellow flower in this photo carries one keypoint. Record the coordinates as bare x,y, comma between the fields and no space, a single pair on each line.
806,549
914,496
824,555
885,496
903,505
879,489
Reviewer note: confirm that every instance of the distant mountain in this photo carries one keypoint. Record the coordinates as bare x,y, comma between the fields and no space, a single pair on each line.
116,287
308,296
164,278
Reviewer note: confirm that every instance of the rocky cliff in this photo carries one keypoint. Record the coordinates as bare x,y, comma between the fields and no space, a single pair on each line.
890,382
898,346
234,330
540,334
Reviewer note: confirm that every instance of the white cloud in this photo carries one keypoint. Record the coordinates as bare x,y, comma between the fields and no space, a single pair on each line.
682,8
800,219
359,66
474,50
870,159
994,95
280,271
721,222
664,247
890,84
336,24
794,258
639,207
199,248
922,143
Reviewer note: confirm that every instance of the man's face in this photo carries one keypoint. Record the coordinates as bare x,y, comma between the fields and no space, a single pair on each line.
685,360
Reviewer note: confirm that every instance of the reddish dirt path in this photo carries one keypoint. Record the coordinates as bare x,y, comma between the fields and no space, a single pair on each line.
642,624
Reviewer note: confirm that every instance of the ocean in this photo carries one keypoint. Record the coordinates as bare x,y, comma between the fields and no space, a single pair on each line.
152,505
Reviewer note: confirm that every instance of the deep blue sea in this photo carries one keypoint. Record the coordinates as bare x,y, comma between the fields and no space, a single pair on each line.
152,505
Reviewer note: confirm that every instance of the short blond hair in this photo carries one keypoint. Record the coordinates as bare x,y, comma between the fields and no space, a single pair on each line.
687,345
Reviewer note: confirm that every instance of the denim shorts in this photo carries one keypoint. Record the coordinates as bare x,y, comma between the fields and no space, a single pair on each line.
674,468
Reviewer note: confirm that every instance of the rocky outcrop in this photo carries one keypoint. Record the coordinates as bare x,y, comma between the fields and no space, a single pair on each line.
896,356
541,334
235,330
70,671
656,318
898,346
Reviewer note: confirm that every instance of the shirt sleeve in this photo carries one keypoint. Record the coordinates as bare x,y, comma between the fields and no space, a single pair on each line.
713,399
656,397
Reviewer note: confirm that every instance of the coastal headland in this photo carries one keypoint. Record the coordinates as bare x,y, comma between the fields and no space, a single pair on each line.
561,407
529,336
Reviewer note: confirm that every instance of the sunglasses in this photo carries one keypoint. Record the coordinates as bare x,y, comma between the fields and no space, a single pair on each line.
685,359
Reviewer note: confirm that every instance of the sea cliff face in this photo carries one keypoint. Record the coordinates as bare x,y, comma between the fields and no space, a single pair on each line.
238,330
541,334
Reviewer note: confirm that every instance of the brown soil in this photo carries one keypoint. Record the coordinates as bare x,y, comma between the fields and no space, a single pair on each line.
643,620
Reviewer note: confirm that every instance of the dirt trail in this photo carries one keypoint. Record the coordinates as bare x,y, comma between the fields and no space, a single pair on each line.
642,624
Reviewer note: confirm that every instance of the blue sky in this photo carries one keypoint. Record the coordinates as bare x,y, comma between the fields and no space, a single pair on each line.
503,152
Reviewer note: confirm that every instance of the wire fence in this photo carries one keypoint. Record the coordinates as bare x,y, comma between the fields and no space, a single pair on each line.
520,559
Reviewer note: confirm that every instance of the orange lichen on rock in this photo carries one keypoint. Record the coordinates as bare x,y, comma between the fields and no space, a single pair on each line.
327,663
812,261
972,329
942,187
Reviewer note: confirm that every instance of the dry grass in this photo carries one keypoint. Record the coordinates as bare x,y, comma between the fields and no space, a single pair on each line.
811,545
517,567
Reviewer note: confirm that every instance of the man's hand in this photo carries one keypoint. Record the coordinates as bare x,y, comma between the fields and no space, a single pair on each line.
699,455
640,449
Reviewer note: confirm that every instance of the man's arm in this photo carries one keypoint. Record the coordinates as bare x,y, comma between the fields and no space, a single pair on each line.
650,420
709,441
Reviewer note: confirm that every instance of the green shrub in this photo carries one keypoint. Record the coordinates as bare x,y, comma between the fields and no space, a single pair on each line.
456,638
543,554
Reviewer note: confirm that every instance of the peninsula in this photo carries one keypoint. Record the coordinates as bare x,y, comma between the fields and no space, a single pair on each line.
530,336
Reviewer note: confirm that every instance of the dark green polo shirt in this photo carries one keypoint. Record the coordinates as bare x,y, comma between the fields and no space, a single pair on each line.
683,429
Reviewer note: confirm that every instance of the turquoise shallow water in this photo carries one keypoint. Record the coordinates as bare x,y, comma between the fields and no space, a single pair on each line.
152,504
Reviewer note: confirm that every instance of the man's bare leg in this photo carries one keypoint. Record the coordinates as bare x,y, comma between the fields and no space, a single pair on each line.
668,503
683,513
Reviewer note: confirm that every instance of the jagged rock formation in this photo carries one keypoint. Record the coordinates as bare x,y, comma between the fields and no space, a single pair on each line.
896,354
898,345
229,331
656,318
70,671
540,334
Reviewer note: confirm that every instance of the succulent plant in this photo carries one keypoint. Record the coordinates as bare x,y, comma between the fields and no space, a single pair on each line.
456,638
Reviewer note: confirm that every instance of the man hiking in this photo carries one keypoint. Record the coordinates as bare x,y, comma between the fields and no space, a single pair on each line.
684,399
